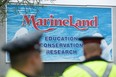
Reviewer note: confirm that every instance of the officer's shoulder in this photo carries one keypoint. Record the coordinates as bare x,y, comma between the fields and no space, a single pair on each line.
71,68
114,65
113,69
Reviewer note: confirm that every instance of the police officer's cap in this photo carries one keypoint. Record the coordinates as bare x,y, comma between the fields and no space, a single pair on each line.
24,43
91,39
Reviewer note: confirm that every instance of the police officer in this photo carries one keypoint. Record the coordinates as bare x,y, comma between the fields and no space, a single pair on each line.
94,65
24,55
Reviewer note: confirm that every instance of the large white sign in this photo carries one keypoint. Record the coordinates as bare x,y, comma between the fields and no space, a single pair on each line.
62,29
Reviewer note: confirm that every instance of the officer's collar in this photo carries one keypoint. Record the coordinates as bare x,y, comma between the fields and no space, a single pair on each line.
98,58
26,75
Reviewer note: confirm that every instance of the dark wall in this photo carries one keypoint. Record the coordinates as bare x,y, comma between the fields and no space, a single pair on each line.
51,69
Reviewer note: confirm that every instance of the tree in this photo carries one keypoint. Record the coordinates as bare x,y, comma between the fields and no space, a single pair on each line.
30,3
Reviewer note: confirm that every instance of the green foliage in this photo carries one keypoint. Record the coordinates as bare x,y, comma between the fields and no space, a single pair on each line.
2,2
18,3
56,74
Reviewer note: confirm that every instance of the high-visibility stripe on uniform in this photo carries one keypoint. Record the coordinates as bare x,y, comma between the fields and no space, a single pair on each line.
87,69
93,74
108,70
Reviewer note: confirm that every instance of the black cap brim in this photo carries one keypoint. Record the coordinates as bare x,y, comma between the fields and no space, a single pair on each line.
90,37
